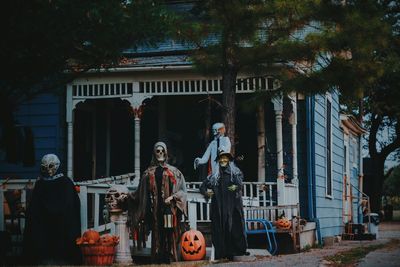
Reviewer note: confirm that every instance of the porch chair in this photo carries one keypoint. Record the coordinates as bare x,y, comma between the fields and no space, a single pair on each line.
263,227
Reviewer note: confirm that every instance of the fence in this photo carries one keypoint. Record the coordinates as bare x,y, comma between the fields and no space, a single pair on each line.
94,215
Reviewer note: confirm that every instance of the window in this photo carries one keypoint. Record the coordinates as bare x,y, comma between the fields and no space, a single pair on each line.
328,128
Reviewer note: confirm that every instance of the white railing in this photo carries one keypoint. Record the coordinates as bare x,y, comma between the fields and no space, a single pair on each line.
93,89
92,193
255,194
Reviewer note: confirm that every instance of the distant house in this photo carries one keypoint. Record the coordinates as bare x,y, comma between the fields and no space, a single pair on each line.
106,123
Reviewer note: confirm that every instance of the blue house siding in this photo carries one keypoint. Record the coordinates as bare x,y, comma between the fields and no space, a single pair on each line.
302,158
328,208
44,115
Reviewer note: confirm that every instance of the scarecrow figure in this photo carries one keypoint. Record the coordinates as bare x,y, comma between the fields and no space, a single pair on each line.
53,218
227,221
158,204
211,154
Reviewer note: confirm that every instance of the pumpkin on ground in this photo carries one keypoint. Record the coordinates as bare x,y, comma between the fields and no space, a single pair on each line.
283,223
193,245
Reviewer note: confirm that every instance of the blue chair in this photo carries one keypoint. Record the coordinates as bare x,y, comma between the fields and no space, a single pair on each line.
269,230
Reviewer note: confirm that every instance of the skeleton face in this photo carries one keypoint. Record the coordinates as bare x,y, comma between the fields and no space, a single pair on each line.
223,161
159,153
218,129
49,165
115,196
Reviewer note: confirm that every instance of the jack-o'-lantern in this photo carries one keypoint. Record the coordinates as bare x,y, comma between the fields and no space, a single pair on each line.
193,245
91,236
283,223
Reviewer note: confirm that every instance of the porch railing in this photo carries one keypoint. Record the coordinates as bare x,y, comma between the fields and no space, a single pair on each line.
92,193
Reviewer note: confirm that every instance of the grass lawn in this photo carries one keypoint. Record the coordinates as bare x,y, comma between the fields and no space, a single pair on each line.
352,256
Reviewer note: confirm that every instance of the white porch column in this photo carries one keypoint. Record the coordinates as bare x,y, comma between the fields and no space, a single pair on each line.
70,133
138,114
280,181
293,123
261,142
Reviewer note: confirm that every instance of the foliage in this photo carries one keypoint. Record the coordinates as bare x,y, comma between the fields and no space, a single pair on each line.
232,37
41,40
46,43
391,186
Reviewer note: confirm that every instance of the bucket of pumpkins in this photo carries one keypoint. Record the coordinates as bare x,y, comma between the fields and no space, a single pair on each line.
96,249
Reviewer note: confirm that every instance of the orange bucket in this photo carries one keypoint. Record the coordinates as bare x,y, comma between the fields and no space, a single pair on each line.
98,254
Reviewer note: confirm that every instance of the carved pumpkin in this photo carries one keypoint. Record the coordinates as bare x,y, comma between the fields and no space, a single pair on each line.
193,245
90,236
283,223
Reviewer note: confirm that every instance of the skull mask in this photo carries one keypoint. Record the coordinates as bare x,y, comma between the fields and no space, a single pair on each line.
49,165
160,154
218,129
115,197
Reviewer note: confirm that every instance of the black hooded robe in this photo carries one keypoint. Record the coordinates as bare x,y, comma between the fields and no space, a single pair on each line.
53,224
227,220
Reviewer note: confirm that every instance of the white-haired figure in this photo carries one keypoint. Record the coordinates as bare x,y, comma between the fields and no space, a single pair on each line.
53,218
227,217
211,154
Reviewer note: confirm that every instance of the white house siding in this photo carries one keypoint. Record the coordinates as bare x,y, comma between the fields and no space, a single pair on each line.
328,209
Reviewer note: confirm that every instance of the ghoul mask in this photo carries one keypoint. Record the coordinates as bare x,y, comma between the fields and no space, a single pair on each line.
49,165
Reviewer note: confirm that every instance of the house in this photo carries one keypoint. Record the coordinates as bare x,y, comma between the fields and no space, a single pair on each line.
106,122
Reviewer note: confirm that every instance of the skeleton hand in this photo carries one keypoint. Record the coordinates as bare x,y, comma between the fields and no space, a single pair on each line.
196,163
232,188
168,200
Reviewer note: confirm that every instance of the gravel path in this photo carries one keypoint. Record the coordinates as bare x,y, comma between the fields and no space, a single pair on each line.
315,257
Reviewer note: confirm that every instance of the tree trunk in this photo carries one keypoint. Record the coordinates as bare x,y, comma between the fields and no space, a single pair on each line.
261,142
229,76
376,183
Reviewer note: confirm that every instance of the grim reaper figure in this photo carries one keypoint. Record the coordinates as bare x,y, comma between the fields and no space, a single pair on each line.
158,204
227,221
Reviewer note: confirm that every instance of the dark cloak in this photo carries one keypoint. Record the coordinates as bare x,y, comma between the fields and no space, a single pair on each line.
227,220
53,223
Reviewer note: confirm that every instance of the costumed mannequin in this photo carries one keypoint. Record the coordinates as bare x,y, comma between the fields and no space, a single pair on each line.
211,154
157,205
53,218
227,221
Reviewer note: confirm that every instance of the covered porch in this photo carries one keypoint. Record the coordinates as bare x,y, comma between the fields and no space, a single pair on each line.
146,104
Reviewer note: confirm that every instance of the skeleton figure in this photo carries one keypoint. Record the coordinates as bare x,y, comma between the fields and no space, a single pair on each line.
211,154
161,194
115,196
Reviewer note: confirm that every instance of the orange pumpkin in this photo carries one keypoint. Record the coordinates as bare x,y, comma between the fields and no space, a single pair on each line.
283,223
193,245
91,236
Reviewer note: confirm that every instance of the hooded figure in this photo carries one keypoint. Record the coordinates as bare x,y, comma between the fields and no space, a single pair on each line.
158,204
227,220
53,218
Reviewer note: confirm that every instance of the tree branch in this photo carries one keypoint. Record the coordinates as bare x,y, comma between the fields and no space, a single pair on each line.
375,122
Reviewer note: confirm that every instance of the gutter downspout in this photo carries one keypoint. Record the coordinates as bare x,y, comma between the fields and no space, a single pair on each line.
312,210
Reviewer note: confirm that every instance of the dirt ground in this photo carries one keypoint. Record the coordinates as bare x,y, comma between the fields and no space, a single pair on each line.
388,256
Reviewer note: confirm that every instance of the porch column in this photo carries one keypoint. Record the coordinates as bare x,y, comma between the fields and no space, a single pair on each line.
293,123
280,181
138,114
70,133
